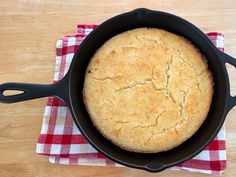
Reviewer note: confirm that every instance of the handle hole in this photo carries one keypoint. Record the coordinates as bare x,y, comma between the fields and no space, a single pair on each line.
232,78
12,92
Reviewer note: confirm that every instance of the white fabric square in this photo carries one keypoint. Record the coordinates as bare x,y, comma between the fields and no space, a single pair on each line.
81,148
204,155
62,111
222,154
59,44
75,130
97,162
55,148
71,41
64,161
47,111
69,57
39,148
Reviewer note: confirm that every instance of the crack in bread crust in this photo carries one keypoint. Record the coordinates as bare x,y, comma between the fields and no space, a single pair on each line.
153,125
106,78
181,105
168,76
135,85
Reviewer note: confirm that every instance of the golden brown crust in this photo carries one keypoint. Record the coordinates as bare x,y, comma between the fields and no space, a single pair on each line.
148,90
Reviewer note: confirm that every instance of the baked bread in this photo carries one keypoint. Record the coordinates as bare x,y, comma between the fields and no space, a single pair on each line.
148,90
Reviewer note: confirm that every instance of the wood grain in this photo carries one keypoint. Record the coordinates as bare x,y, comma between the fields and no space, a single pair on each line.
28,32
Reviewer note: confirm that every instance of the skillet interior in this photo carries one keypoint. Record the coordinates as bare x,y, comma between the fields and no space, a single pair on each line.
148,18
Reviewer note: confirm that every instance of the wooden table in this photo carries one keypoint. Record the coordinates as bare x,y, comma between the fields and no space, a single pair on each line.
28,32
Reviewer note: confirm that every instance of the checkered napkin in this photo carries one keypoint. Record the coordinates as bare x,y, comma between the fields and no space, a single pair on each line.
61,140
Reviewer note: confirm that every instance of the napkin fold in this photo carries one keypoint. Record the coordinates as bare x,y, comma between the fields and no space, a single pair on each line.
63,143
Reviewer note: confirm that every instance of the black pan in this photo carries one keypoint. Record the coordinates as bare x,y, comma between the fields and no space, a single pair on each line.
70,89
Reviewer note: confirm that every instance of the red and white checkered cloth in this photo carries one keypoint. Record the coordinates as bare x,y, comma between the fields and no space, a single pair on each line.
61,140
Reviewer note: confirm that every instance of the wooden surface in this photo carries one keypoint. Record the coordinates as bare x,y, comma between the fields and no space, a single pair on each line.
29,30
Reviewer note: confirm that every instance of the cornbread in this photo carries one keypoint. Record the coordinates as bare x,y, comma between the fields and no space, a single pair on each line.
148,90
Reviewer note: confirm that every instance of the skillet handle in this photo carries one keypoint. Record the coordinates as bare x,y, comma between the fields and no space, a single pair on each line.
231,99
33,91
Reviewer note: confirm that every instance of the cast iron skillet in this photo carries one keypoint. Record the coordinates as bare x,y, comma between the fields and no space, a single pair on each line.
70,89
